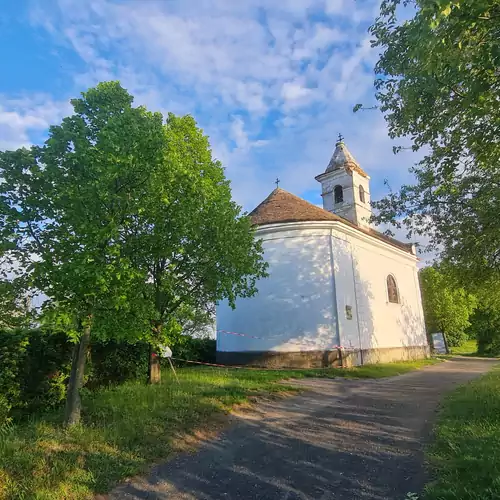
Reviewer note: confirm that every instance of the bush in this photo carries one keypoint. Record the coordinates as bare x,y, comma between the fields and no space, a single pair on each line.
194,349
46,369
456,339
35,366
13,346
5,408
114,363
485,327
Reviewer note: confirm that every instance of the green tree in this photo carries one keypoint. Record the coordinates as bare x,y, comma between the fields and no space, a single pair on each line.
447,306
121,219
438,85
485,321
188,236
64,205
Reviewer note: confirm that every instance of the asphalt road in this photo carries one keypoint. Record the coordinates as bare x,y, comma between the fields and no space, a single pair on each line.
341,439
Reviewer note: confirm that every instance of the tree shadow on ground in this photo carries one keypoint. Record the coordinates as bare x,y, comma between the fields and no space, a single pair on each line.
343,439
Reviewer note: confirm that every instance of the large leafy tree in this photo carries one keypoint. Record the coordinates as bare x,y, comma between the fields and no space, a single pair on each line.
447,306
121,219
63,208
438,85
187,235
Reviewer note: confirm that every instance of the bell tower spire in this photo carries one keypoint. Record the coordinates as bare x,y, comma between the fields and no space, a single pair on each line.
346,186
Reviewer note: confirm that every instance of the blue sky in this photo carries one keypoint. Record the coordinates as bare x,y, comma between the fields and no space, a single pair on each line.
271,82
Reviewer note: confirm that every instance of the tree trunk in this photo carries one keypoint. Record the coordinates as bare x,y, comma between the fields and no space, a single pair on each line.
154,375
447,349
73,403
154,372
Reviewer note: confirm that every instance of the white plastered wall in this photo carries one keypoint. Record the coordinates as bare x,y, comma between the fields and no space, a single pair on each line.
380,323
298,308
294,309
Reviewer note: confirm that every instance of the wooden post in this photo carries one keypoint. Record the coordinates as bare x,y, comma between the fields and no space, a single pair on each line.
154,372
173,369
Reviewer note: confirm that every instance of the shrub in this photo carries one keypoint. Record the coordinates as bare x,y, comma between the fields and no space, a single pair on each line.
114,362
194,349
485,327
35,366
45,372
13,346
5,408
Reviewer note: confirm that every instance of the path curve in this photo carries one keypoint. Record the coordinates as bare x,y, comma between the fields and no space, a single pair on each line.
341,439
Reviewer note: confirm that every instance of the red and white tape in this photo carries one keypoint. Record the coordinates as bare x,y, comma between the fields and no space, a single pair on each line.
251,336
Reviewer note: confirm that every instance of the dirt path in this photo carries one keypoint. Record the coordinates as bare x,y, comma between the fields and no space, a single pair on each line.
342,439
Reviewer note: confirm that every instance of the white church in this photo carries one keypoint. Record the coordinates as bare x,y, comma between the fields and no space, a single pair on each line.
338,291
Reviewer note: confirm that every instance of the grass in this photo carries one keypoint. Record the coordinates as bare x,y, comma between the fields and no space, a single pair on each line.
127,428
465,456
469,348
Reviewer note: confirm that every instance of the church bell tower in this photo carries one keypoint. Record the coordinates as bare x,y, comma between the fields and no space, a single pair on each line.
345,187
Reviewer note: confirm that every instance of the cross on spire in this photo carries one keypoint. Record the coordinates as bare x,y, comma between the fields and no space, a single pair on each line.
277,182
341,138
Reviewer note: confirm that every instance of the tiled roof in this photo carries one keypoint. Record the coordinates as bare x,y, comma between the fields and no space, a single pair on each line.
281,207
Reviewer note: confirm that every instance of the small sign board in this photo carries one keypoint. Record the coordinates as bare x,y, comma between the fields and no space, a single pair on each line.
165,351
348,312
439,343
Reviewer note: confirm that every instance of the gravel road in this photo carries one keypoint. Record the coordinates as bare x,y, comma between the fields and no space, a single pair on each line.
340,439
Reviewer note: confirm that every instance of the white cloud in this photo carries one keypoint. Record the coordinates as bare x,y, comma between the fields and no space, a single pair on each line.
238,133
292,91
333,6
21,116
271,83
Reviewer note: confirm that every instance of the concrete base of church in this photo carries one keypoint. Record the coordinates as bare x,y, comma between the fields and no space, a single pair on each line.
388,355
322,359
278,359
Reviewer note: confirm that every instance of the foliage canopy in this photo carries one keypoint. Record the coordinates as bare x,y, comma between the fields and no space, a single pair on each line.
437,84
124,220
447,307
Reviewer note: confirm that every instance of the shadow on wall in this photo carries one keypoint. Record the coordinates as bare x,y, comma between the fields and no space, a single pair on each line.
294,308
297,309
354,291
411,324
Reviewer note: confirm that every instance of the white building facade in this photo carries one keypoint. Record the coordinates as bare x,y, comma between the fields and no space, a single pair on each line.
335,285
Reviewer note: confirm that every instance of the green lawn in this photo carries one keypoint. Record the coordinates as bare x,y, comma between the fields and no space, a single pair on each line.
128,427
465,456
469,348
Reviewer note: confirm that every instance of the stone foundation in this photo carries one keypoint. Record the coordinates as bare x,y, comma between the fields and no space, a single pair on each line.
322,359
391,354
278,359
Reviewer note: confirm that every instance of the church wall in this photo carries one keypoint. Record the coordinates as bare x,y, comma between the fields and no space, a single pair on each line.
383,324
294,315
294,309
346,296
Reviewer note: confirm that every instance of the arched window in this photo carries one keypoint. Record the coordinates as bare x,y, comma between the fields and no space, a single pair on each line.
361,194
392,289
338,194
